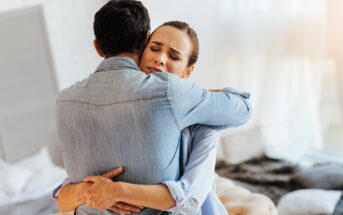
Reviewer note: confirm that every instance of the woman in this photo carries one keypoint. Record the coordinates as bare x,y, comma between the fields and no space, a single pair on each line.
172,47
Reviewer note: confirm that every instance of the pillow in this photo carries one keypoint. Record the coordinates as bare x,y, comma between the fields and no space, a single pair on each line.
13,179
45,172
238,200
328,177
31,178
241,146
308,202
39,162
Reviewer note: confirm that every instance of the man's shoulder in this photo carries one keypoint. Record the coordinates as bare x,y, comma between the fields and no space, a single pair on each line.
71,91
157,76
111,87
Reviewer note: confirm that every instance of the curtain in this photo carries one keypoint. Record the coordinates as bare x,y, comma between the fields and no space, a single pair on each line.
281,51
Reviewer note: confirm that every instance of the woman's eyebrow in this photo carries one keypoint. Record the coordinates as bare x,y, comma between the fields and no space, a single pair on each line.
157,43
173,50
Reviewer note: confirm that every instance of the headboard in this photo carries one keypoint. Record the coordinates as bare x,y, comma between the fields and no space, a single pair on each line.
28,86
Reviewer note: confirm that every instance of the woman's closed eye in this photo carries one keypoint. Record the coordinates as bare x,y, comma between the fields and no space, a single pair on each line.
174,56
155,48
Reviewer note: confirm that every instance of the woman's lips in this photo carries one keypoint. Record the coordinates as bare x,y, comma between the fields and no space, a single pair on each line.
153,69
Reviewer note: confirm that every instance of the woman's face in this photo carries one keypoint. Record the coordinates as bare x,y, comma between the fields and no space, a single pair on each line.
168,50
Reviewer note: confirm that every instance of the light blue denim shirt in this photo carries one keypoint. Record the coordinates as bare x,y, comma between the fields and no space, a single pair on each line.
120,116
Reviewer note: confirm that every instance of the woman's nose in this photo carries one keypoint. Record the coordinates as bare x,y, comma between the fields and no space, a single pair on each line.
160,60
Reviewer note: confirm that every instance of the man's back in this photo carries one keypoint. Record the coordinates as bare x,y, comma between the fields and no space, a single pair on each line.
119,117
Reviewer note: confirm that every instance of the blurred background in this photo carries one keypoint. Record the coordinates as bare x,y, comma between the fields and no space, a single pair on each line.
287,53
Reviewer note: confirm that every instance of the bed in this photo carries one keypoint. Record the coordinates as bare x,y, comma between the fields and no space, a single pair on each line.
276,178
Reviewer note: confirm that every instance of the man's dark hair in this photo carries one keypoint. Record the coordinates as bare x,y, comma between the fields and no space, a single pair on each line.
121,26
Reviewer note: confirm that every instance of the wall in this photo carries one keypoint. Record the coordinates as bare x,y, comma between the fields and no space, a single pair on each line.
29,123
69,26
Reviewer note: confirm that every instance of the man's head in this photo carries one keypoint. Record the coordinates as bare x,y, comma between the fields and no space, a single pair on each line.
121,26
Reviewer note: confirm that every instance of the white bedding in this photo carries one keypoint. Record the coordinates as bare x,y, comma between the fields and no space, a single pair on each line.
309,202
29,179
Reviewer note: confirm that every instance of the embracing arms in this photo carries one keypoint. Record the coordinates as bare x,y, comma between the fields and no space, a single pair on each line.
101,192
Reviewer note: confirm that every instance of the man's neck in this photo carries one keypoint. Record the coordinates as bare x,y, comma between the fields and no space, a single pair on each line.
133,56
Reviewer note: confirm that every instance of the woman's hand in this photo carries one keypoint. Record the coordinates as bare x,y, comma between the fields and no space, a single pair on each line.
122,207
99,190
103,193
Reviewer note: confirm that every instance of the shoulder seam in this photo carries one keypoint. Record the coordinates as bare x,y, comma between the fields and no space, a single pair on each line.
113,103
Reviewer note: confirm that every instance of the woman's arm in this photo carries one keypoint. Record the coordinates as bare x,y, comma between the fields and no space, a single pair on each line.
67,199
197,181
104,193
152,196
67,194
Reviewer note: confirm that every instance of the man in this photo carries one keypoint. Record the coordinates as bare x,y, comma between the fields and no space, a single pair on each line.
120,116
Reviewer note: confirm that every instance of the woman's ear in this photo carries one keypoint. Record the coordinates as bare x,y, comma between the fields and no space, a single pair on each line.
188,72
97,48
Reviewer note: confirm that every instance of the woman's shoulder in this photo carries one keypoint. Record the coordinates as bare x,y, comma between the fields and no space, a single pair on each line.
203,130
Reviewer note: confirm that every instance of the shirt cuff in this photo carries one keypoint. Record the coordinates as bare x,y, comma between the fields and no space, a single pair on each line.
58,189
234,91
185,198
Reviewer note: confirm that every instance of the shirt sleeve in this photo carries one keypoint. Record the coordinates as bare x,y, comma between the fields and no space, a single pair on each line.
191,105
196,183
57,190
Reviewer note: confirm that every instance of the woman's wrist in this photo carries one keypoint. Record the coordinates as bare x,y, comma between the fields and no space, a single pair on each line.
118,190
80,188
83,186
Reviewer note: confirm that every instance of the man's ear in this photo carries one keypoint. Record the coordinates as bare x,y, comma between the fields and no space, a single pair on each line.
188,72
97,48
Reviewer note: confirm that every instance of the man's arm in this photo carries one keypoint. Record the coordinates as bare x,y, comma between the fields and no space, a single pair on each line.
191,105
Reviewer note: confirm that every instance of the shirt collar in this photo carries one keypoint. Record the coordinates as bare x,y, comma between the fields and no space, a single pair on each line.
112,63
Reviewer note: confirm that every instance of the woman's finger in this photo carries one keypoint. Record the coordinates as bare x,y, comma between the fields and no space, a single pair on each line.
90,179
89,204
119,210
113,173
128,207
